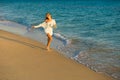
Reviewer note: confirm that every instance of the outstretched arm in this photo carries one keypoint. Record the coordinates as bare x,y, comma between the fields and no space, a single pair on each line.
36,26
40,25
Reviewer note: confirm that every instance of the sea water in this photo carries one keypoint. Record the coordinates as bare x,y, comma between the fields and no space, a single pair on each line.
88,31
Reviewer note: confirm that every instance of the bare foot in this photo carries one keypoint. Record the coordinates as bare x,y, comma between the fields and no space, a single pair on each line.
48,48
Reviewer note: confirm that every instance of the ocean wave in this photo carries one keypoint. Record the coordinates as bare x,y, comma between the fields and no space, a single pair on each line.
62,38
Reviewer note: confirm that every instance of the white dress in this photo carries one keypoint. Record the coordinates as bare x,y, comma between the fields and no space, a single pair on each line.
48,26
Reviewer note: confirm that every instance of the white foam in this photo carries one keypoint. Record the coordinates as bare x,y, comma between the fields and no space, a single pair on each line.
62,38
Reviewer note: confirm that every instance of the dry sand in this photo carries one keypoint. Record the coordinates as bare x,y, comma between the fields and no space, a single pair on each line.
25,59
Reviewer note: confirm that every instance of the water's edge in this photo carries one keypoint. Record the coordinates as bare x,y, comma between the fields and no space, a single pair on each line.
60,43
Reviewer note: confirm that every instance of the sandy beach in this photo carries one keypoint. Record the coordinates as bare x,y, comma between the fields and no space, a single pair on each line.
25,59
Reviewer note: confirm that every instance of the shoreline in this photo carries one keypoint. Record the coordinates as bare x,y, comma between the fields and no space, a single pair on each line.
13,25
90,36
26,57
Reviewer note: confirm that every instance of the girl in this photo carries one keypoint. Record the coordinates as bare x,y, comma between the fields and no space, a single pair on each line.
48,26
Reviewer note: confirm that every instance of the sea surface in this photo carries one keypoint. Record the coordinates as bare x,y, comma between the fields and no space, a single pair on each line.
88,31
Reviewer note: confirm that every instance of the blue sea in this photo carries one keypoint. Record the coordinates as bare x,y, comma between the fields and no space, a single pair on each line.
88,31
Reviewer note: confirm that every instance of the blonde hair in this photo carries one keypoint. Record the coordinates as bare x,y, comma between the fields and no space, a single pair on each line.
48,14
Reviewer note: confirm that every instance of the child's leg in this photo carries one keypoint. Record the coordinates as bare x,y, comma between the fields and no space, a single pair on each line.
49,41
